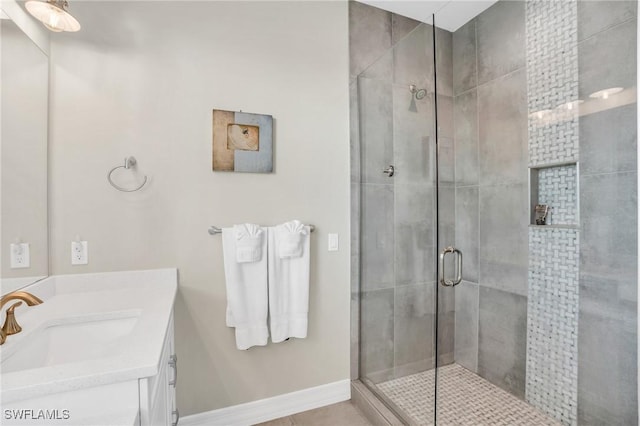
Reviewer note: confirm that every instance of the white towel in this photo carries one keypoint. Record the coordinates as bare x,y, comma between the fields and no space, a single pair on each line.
288,280
291,239
246,282
249,240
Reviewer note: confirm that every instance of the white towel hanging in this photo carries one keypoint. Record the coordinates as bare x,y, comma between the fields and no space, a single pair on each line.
246,284
289,261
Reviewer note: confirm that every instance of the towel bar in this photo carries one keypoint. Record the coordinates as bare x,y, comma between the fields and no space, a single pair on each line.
215,230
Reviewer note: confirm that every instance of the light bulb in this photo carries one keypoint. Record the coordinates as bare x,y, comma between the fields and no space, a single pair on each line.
54,22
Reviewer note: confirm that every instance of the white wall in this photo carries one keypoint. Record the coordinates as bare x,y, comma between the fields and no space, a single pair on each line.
23,153
141,78
38,34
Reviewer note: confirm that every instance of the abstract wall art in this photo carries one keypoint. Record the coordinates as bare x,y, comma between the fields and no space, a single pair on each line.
242,142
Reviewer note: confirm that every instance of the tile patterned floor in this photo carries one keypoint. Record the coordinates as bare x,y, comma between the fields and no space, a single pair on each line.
464,398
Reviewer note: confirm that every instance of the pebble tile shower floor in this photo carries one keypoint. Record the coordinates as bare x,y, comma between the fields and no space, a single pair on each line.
464,399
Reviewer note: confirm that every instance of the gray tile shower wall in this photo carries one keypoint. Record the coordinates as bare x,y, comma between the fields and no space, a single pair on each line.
369,36
484,199
607,339
500,40
490,122
465,61
502,339
414,316
607,147
502,129
611,47
377,331
466,226
414,234
393,222
466,325
465,113
503,252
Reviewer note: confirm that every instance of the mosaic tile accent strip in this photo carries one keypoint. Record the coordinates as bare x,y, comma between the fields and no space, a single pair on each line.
552,323
464,399
552,80
558,188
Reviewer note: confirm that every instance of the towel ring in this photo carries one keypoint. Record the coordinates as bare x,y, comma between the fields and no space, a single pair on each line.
129,163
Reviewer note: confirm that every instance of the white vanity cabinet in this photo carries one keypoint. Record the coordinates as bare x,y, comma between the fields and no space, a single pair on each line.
99,350
158,393
149,402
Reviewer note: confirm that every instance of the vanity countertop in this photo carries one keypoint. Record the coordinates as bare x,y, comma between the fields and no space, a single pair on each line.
145,297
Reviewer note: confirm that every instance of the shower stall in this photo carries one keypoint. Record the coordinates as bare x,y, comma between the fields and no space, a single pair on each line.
494,213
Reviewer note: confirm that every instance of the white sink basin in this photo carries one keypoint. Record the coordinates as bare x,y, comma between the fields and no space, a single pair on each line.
62,343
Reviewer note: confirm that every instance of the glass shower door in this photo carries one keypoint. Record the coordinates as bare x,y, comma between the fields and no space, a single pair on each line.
397,159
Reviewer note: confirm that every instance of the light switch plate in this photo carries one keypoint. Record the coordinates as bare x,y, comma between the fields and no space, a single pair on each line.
20,256
79,252
332,240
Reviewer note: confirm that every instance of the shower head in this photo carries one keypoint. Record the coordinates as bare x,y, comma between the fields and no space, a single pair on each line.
417,93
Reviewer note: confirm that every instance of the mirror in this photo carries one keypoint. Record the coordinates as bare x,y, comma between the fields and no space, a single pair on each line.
24,75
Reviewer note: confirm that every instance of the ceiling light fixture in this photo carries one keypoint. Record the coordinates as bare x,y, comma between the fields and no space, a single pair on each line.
604,94
53,14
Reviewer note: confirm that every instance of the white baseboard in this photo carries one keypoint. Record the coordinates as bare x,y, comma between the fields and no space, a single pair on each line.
275,407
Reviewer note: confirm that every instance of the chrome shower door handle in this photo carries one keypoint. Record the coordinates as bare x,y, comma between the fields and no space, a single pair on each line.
389,171
458,279
450,283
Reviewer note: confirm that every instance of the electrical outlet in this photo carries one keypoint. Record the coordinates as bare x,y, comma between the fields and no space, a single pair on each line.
20,256
79,252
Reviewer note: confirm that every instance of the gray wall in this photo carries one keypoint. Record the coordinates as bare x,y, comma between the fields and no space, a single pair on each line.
490,116
488,189
491,195
393,225
607,331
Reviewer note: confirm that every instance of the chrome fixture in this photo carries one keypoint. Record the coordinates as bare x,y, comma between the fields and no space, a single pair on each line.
213,230
450,283
176,413
389,171
417,93
53,14
129,163
542,210
173,363
11,326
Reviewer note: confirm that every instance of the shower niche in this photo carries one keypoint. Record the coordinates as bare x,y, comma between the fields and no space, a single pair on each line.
556,187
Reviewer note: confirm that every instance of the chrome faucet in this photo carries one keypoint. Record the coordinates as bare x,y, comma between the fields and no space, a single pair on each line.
10,325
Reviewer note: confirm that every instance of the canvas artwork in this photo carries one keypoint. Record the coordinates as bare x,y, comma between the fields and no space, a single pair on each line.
242,142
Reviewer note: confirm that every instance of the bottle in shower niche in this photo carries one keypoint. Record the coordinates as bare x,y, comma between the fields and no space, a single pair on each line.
542,214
